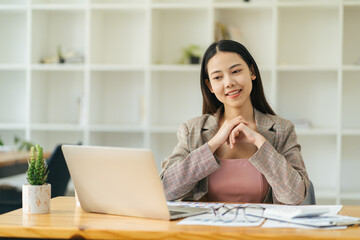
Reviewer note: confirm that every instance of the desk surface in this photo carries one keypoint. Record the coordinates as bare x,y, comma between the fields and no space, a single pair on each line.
68,221
14,162
9,158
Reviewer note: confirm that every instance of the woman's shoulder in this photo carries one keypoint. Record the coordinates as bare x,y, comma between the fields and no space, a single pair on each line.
197,124
198,121
278,122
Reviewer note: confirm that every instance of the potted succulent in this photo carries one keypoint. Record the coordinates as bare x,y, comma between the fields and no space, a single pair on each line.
36,195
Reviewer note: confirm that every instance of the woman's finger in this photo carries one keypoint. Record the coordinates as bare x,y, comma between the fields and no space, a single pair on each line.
238,120
233,136
235,133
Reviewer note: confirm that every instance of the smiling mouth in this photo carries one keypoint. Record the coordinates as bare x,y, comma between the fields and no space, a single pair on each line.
233,93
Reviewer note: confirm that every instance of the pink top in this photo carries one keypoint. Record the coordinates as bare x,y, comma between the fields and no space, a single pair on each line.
237,180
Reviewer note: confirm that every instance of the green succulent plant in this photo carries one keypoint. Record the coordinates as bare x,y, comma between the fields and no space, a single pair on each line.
37,172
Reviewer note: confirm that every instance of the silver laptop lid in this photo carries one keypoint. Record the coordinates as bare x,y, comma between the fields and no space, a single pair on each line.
122,181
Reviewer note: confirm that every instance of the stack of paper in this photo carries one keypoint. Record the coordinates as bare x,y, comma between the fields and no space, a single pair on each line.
278,216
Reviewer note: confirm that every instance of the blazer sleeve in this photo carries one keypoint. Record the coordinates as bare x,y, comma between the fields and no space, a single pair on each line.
185,168
283,168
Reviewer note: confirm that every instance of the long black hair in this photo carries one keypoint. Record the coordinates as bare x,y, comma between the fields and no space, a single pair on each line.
257,96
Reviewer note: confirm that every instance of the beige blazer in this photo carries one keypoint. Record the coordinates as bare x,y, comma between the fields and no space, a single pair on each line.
184,173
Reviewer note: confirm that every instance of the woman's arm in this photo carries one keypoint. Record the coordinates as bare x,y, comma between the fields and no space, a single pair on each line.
283,168
185,168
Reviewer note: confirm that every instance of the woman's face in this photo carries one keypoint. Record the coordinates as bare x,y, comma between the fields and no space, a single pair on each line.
230,79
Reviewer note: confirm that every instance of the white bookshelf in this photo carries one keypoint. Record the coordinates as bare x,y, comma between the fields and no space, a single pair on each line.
131,90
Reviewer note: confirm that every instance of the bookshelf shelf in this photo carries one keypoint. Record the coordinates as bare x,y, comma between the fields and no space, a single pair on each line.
175,67
351,132
57,67
117,67
177,6
129,6
12,67
4,7
351,67
56,7
12,126
57,127
116,128
307,68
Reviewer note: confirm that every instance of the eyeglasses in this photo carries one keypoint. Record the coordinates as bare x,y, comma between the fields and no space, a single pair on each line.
251,213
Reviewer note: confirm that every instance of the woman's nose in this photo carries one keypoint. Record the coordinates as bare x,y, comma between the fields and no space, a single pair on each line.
229,81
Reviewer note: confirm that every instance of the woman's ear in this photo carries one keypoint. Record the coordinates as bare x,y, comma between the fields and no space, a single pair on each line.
208,84
253,76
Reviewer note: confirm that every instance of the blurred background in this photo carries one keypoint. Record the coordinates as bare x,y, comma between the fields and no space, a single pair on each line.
126,73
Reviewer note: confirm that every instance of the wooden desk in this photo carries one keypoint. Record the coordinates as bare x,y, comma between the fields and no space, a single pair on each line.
68,221
12,163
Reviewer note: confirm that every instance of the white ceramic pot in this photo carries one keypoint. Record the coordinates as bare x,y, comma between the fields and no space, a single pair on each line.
36,198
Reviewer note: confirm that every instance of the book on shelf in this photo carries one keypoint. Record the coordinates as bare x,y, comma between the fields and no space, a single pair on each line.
223,32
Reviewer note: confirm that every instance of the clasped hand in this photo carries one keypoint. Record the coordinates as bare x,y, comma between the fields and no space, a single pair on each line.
236,130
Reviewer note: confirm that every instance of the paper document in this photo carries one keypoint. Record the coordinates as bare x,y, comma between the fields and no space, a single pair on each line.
195,204
212,220
288,212
332,209
326,216
326,220
278,224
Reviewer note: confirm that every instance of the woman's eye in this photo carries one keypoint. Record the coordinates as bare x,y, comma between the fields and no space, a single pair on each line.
237,71
217,77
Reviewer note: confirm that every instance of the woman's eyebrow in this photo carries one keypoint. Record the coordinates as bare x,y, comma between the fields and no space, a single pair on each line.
233,66
217,71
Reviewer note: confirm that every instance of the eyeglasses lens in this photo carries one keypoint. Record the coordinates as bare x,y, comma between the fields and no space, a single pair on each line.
245,214
253,214
228,215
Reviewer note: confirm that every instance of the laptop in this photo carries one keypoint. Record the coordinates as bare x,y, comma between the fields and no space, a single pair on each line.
120,181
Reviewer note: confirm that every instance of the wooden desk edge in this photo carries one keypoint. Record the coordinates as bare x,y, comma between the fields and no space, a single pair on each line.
13,158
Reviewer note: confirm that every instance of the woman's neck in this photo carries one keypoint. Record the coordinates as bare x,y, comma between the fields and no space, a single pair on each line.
246,111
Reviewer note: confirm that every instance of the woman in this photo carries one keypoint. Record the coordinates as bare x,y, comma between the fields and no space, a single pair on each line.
238,150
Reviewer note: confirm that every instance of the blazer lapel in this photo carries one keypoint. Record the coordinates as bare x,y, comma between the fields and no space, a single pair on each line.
265,125
211,126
